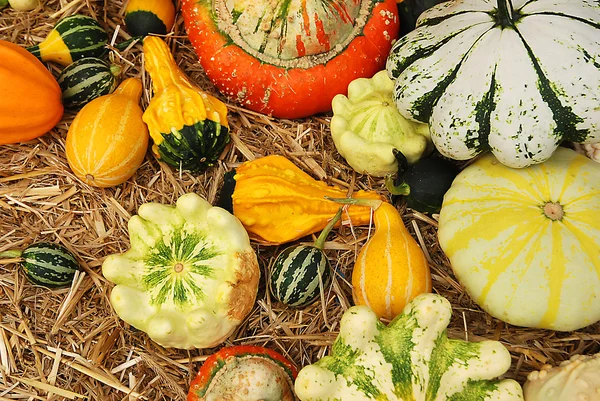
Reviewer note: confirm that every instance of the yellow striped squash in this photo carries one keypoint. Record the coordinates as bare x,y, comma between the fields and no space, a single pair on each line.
525,243
391,269
107,140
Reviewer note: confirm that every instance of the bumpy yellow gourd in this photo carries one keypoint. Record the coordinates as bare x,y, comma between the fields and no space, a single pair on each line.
278,203
107,140
189,127
391,269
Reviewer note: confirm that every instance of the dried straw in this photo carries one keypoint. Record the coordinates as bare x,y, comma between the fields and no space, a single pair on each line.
69,344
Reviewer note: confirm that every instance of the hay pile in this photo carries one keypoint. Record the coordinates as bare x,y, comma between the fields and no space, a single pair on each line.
68,344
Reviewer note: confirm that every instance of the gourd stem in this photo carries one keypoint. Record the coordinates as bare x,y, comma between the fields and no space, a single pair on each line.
505,13
320,242
123,45
115,70
373,203
402,189
11,254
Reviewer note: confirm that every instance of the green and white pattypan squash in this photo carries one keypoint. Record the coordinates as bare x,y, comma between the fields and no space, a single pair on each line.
190,276
366,127
514,76
410,359
525,243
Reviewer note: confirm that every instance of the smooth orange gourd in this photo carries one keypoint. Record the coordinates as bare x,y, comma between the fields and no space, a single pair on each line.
30,98
391,268
107,141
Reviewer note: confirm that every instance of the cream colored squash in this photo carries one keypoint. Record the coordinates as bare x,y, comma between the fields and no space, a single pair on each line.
525,243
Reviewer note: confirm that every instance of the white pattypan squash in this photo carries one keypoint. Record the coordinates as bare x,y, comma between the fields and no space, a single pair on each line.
190,276
410,359
514,76
525,243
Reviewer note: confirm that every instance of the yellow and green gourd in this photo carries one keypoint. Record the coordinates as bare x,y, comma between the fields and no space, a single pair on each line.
149,16
188,126
524,242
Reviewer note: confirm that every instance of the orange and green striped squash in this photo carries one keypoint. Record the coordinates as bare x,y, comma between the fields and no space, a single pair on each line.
391,269
525,242
107,140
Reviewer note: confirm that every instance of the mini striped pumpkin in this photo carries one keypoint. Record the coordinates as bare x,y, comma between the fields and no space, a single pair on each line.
107,141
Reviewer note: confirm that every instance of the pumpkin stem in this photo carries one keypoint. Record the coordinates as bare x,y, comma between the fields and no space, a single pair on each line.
11,254
320,242
505,13
372,203
402,189
131,87
554,211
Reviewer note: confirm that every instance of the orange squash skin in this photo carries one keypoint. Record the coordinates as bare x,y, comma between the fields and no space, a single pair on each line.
391,269
293,92
30,98
107,140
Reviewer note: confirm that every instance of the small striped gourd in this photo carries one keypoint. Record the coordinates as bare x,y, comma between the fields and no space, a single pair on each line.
72,38
46,264
525,242
390,269
410,359
107,140
188,126
149,16
85,80
301,272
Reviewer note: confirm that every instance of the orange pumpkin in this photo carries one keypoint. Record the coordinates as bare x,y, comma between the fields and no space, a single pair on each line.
107,141
391,269
30,98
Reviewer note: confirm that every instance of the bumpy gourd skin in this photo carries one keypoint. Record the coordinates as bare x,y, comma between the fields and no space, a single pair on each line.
190,276
189,127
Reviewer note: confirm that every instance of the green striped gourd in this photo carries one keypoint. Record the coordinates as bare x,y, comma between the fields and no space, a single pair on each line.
72,38
500,75
85,80
46,264
410,359
300,272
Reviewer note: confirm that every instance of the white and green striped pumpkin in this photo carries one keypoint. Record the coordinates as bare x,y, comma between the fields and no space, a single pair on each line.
410,359
525,243
190,276
514,76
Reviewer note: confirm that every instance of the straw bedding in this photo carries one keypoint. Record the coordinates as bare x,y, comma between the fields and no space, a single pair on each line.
69,344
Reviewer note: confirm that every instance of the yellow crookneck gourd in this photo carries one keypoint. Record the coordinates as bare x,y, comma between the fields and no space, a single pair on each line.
391,269
107,140
189,127
278,203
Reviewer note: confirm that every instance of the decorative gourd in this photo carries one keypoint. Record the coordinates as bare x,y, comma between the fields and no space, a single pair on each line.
244,373
410,10
23,5
107,140
289,58
72,38
410,359
499,75
190,277
149,16
188,126
577,379
390,269
46,264
424,184
29,96
524,242
301,272
278,203
366,127
85,80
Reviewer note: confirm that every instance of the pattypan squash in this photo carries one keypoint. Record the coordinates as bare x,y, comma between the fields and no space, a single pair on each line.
366,126
190,276
410,359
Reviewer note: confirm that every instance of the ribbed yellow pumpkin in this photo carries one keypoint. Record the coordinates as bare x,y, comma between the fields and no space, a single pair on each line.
107,140
391,269
525,243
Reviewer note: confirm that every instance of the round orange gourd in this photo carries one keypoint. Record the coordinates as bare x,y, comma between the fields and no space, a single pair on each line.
30,98
107,140
390,269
